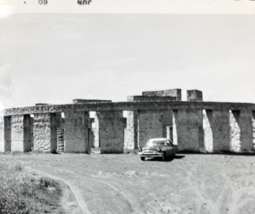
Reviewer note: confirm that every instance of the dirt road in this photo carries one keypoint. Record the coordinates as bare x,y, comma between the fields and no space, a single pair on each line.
124,184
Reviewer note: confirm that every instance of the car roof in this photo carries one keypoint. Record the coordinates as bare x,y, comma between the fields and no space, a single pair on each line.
152,139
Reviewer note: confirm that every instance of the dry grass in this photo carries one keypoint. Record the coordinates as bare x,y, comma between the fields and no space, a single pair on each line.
22,192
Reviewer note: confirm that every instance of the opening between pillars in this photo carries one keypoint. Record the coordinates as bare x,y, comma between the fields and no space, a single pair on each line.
94,133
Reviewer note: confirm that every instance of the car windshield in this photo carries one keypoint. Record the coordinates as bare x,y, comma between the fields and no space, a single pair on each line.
155,142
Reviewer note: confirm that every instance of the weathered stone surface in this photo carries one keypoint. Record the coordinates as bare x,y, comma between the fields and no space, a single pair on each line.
150,98
208,135
17,133
194,95
42,133
245,123
80,101
28,133
189,130
7,133
130,106
219,122
150,125
60,140
76,137
1,132
111,131
131,131
235,132
170,92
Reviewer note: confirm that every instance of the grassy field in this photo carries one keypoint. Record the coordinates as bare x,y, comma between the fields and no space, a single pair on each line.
114,184
22,192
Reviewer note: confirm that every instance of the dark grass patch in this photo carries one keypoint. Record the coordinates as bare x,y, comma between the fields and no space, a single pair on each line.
22,192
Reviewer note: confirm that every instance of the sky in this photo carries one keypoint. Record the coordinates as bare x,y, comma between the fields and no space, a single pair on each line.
55,58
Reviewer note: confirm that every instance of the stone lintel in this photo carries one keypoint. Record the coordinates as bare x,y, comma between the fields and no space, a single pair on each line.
169,92
84,101
150,98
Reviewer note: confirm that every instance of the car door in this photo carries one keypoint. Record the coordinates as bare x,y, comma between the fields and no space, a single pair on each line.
168,148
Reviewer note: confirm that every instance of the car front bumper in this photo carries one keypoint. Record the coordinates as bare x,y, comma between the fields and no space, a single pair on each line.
150,154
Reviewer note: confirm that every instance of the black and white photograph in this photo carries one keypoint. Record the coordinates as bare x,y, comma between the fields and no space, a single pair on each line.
127,107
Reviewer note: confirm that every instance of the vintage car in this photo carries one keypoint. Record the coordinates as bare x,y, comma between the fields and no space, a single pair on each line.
158,147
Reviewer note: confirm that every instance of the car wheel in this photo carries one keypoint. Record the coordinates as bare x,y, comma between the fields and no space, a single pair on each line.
164,156
142,158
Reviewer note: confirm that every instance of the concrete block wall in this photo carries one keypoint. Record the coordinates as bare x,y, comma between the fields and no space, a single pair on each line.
189,130
111,131
76,137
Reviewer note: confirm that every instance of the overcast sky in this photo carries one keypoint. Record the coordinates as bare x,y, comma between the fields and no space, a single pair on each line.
58,58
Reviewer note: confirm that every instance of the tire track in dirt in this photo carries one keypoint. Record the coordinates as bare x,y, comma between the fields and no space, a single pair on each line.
135,206
201,195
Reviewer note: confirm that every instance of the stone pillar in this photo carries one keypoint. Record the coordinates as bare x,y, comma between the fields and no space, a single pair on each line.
189,130
131,131
42,132
76,137
150,125
17,133
111,131
1,132
7,133
219,122
208,134
28,133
